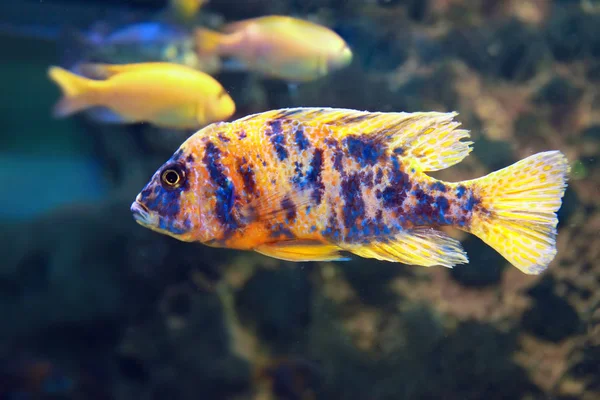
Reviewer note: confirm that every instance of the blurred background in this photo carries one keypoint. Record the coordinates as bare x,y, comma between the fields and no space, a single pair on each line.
94,306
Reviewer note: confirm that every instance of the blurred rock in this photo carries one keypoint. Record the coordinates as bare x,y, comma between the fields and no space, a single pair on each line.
533,129
593,72
570,205
377,48
573,35
278,303
370,279
558,92
551,317
512,51
494,154
485,265
470,349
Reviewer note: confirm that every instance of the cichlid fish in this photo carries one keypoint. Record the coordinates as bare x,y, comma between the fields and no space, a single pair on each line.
280,47
304,184
164,94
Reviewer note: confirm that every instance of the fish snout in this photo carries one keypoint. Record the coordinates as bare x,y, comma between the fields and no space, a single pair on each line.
341,59
141,214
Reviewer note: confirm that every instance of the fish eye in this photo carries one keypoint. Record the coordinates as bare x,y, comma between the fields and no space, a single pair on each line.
172,177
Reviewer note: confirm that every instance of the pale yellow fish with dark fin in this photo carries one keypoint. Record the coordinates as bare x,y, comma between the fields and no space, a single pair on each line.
279,46
306,184
164,94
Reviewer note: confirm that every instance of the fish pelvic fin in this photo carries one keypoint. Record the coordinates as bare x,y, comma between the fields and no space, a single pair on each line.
428,140
516,214
78,92
301,250
419,246
207,41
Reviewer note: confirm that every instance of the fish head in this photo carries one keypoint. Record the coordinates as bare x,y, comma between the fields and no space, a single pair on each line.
169,204
221,108
340,58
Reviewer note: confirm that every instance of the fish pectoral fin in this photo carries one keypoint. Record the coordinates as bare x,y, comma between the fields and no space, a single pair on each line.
276,207
105,115
301,250
419,246
430,140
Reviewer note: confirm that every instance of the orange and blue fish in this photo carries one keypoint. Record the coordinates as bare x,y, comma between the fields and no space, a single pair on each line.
310,184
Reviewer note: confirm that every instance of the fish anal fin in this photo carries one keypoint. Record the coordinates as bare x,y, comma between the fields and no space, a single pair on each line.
105,115
430,139
301,250
420,246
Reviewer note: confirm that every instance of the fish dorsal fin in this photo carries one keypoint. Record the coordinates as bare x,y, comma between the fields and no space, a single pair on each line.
420,246
105,71
277,21
430,139
302,250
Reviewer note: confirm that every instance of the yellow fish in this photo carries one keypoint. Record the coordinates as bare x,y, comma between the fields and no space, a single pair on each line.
187,9
164,94
305,184
280,47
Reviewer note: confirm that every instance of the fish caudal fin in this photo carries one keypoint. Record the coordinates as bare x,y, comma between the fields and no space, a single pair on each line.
516,214
76,91
207,41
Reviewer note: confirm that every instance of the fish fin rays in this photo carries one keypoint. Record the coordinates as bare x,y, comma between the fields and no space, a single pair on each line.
301,250
78,92
430,139
519,204
420,246
278,206
433,141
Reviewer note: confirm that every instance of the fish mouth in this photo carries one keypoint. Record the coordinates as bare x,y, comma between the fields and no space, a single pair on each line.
142,215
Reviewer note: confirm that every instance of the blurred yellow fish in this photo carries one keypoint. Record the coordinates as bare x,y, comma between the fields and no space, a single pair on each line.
164,94
279,47
187,9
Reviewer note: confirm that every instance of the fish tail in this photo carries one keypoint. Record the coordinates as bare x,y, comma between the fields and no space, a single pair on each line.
77,92
207,41
515,212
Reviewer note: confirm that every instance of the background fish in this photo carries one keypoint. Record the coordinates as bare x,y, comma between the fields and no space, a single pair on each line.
164,94
186,9
280,47
304,184
147,41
